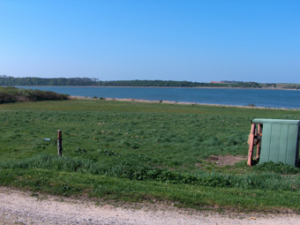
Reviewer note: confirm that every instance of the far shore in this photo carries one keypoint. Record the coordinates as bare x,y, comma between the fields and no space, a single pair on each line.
172,102
271,88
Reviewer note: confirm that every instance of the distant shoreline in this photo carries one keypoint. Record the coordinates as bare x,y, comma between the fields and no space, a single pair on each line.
271,88
244,97
94,82
173,102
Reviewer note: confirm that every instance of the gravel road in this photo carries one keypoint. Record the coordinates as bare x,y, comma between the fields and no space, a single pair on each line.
19,207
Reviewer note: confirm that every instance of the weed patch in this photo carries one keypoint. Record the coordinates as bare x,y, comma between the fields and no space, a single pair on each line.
276,168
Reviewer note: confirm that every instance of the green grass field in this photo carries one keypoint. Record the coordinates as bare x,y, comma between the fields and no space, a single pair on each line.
130,151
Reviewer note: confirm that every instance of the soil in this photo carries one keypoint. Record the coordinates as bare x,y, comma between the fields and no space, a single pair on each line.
21,207
226,160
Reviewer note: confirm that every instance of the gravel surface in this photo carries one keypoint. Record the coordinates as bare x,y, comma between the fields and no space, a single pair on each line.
18,207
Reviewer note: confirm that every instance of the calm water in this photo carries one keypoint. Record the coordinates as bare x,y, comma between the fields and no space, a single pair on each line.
242,97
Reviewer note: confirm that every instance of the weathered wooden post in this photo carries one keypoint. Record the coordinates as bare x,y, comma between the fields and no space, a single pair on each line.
251,143
59,142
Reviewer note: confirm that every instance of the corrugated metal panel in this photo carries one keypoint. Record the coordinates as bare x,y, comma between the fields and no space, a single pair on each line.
284,143
265,143
292,145
275,143
279,141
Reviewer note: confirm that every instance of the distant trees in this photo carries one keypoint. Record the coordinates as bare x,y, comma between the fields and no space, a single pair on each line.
36,81
270,85
84,81
242,84
156,83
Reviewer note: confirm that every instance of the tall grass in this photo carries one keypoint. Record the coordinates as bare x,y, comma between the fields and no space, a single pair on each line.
270,181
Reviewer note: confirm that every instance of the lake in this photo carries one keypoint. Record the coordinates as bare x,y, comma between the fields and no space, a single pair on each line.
238,97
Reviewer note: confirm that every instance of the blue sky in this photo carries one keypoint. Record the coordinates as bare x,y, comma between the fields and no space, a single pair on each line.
193,40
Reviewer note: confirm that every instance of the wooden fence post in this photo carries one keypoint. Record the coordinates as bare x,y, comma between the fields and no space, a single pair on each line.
59,142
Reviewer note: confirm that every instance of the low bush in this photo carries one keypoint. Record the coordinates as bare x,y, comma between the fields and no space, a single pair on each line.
37,95
7,98
13,94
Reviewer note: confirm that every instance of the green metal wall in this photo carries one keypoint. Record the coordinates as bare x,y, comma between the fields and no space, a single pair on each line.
279,141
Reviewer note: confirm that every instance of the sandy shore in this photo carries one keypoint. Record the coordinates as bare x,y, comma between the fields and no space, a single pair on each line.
174,102
20,207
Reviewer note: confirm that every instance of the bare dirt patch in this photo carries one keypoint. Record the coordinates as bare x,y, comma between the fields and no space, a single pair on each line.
226,160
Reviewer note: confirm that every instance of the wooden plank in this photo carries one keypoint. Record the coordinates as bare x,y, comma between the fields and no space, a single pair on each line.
251,139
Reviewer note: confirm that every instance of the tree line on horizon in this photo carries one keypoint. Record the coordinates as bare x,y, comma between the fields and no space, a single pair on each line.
84,81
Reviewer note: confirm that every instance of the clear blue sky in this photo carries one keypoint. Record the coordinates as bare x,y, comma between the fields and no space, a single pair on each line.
193,40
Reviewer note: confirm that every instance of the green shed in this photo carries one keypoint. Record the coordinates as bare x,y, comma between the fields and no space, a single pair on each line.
276,140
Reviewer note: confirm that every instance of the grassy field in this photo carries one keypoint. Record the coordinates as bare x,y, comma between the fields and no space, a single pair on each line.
129,151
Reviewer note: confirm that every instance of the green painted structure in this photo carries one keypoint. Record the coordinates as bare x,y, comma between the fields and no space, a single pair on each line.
279,141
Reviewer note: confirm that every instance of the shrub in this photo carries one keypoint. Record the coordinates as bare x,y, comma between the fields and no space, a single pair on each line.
7,98
38,95
12,94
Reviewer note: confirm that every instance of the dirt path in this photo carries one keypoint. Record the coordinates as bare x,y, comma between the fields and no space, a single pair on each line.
17,207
